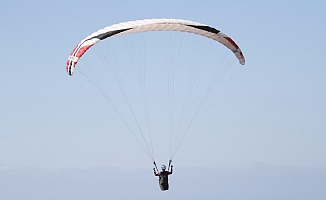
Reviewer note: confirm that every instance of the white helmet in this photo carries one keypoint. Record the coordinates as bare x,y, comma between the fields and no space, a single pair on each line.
163,167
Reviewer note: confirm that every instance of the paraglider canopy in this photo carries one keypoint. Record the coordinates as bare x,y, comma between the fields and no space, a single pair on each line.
151,25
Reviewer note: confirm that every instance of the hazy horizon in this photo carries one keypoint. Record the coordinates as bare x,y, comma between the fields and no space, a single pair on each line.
262,137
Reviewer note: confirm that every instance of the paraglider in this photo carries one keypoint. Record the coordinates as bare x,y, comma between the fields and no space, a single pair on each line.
136,121
163,175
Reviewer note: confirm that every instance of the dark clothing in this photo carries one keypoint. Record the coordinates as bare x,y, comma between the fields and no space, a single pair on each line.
163,179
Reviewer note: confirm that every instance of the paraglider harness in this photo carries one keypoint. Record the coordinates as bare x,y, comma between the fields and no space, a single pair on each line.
163,176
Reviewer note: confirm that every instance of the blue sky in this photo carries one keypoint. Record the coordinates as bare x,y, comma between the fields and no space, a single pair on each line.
272,112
